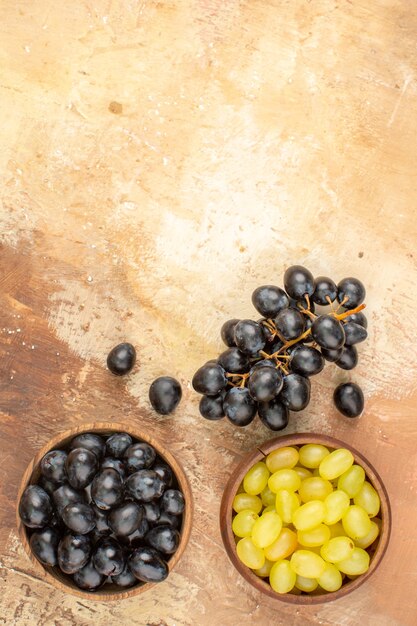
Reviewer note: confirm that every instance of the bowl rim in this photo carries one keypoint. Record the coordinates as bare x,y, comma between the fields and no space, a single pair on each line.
226,512
48,574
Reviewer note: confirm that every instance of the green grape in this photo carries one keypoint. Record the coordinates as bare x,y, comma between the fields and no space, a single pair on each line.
282,577
256,479
283,546
306,584
309,515
267,497
303,472
357,563
307,563
314,488
285,457
337,503
284,479
266,529
244,501
264,571
368,499
352,480
368,540
268,509
336,530
249,554
314,537
312,454
356,522
286,502
336,463
243,523
331,578
337,549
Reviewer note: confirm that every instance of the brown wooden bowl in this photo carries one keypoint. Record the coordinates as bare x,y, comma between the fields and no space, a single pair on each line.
226,513
52,574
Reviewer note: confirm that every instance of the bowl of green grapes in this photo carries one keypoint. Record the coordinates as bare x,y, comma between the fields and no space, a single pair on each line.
305,518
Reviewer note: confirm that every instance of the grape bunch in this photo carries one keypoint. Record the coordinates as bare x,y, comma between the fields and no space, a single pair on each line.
268,363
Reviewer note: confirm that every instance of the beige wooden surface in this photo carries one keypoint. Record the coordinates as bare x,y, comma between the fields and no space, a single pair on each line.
159,160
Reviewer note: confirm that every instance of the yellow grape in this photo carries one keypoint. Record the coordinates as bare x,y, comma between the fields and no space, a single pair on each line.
312,454
356,522
337,503
314,537
244,501
243,523
284,479
282,577
331,578
336,463
308,564
368,499
357,563
256,479
303,472
352,480
281,458
286,502
264,571
314,488
337,549
267,497
249,554
336,530
368,540
268,509
309,515
283,546
306,584
266,529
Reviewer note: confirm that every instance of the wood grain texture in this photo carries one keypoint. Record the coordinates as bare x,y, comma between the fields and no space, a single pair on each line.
159,160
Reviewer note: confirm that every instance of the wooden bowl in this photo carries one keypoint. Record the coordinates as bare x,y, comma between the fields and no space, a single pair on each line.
52,574
226,512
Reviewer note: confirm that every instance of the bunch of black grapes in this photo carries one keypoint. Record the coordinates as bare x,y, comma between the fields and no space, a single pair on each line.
267,366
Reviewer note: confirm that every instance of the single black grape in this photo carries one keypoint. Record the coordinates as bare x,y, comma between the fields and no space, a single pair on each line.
324,289
210,379
298,281
163,538
152,511
239,406
107,489
273,414
91,442
353,290
139,456
328,332
116,464
126,518
234,361
172,502
227,332
261,363
64,495
211,407
269,300
290,323
348,398
79,517
125,578
117,444
348,359
35,507
44,545
249,336
355,333
295,394
164,472
73,553
53,466
332,355
147,565
165,394
108,557
358,318
306,361
121,359
89,578
144,485
265,383
81,465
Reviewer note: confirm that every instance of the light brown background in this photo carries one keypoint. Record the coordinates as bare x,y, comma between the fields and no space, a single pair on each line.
158,161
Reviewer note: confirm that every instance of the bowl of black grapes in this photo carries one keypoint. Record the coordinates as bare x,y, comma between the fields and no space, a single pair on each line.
104,511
